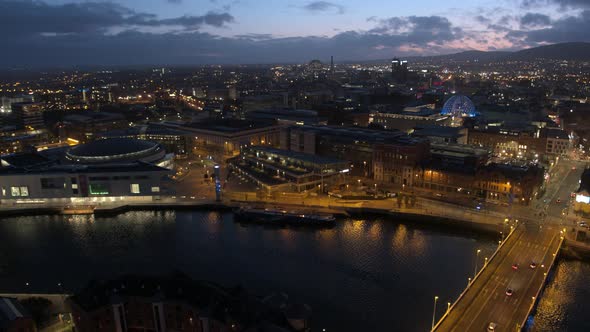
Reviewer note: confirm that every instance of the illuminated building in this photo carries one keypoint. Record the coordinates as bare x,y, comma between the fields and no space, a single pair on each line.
365,150
120,150
276,169
228,136
80,184
406,119
175,141
28,115
399,70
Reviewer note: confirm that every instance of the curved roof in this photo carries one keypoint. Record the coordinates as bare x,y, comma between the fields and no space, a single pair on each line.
459,106
111,147
114,150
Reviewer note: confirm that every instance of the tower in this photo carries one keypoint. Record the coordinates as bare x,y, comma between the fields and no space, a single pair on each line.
399,70
331,65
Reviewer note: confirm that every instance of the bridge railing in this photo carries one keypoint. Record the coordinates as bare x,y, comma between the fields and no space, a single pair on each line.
474,279
535,298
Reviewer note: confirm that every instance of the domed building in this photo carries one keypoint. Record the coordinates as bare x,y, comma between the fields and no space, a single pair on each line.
120,151
459,106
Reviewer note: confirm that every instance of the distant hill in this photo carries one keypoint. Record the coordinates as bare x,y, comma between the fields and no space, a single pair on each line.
562,51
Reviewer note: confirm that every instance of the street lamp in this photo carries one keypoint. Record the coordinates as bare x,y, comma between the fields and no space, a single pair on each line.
485,262
434,311
476,259
448,307
468,281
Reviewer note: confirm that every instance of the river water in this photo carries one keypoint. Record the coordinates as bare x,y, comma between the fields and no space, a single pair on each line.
375,274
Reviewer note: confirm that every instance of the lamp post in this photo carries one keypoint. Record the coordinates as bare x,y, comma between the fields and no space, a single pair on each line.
434,312
485,262
448,307
476,259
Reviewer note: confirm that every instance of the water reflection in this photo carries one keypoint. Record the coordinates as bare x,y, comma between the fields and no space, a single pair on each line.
361,275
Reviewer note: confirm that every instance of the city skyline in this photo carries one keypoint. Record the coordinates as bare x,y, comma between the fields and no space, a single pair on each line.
181,32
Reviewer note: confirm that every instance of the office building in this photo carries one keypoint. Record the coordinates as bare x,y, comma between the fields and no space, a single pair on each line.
276,169
28,115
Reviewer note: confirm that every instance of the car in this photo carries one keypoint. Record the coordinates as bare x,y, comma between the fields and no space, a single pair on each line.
558,201
515,266
533,265
573,168
583,224
509,292
492,326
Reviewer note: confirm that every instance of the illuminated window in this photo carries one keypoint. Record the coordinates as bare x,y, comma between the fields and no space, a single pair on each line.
155,189
24,191
74,186
135,188
15,191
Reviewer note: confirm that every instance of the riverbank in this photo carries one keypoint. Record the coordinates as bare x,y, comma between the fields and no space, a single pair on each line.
431,213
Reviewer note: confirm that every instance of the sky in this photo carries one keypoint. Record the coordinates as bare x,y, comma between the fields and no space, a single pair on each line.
37,33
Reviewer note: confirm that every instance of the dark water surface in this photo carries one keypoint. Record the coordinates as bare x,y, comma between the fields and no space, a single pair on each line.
362,275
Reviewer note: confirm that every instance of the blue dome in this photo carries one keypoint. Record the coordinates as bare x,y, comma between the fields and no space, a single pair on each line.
459,106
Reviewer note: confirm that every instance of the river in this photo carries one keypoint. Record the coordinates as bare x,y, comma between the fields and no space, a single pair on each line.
374,274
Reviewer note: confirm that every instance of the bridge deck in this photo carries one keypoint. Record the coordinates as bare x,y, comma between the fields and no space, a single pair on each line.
486,300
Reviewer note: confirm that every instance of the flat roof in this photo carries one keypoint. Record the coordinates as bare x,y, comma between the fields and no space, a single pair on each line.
369,135
60,169
306,157
229,125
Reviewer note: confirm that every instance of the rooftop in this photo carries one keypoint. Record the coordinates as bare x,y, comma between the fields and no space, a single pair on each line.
366,135
60,169
111,147
229,125
10,310
305,157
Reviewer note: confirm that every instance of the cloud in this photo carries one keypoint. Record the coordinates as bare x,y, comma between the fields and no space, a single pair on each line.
563,4
324,6
36,17
534,20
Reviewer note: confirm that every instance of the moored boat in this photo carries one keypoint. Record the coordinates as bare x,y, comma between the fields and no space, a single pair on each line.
279,217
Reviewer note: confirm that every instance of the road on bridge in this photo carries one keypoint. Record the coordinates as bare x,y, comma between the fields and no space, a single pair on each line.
486,300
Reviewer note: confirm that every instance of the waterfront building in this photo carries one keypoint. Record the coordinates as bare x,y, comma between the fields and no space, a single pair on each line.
276,169
62,185
14,317
354,145
120,150
174,141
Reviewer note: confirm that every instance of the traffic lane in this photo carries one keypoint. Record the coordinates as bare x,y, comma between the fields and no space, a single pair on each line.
467,304
508,311
536,276
567,186
494,303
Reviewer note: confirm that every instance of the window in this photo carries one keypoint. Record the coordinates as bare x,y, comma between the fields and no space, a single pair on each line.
99,189
74,186
24,191
155,189
3,191
135,188
15,191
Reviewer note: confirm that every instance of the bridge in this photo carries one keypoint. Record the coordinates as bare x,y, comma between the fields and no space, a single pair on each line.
485,301
537,238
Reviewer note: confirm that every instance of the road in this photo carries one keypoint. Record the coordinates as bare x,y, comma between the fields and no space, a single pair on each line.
486,300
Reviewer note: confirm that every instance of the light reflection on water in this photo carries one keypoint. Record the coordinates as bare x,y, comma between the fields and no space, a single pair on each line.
362,275
566,299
